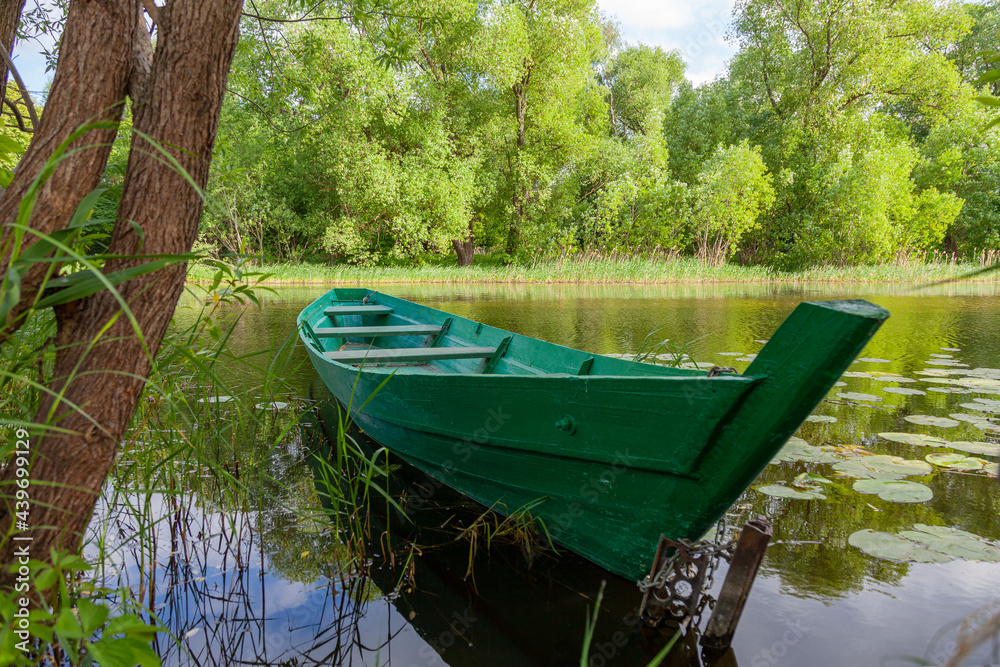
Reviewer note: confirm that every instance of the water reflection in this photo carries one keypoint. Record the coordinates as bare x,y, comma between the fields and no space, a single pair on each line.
818,601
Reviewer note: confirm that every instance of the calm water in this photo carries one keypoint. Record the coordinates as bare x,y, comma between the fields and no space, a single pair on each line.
277,594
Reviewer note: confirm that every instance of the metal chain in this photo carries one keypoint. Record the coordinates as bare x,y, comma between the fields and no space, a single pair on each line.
711,550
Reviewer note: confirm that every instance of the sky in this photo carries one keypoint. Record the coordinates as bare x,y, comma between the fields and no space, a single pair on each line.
30,65
696,28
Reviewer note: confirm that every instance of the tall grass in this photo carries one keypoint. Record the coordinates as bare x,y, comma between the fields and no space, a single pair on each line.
621,269
196,465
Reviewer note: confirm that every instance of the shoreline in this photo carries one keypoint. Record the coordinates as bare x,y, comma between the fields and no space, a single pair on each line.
609,272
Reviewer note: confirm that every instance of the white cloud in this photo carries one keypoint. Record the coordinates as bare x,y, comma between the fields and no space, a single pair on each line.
696,30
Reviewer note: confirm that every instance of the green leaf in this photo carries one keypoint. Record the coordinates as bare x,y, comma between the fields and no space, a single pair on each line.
138,232
84,283
123,652
11,293
45,579
74,562
992,75
92,616
67,626
988,100
85,208
8,145
131,626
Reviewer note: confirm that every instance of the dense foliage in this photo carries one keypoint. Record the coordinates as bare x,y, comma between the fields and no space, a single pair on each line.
843,133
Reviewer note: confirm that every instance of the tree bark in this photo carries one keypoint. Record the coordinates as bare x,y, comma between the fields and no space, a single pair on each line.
464,248
520,91
89,85
10,16
179,111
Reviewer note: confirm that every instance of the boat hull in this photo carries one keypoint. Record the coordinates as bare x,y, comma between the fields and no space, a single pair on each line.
604,464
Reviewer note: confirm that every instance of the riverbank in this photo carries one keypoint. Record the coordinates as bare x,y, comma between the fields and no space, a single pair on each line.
631,270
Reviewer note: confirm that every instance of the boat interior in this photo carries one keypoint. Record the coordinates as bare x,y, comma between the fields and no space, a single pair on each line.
361,327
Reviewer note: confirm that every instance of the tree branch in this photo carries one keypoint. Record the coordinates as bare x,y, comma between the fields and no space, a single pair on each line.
20,85
17,116
305,19
142,55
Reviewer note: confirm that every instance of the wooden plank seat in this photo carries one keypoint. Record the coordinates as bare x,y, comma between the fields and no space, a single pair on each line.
377,332
357,310
378,355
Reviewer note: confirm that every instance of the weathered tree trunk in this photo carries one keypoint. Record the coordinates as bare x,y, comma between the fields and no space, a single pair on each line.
520,90
10,16
464,248
83,91
179,109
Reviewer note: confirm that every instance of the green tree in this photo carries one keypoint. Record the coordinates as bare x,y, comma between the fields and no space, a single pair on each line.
733,190
641,82
818,82
698,121
539,56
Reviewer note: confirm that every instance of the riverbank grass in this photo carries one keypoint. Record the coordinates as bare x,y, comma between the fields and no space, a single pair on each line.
622,270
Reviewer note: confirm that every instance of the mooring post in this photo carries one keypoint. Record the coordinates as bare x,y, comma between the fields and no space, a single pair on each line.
736,588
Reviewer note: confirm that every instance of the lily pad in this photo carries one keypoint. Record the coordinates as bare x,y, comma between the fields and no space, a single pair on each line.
822,419
916,439
893,547
953,542
946,362
274,405
937,372
956,461
979,383
949,390
929,420
810,479
856,374
873,360
925,544
883,467
906,391
942,356
979,421
779,491
987,401
216,399
839,384
952,349
982,407
895,491
797,449
857,396
976,447
894,378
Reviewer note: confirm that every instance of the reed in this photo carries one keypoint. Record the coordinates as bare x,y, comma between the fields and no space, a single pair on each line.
656,269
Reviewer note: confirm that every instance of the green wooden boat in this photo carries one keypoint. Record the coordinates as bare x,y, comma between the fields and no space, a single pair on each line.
606,453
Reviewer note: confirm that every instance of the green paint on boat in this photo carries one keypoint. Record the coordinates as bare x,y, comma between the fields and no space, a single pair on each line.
610,453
